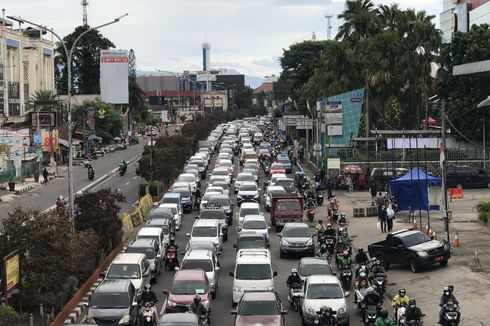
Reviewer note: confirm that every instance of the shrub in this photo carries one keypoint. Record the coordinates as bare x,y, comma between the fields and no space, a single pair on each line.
483,208
8,316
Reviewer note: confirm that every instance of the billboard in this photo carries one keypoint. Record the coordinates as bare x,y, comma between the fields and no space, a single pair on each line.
114,76
11,265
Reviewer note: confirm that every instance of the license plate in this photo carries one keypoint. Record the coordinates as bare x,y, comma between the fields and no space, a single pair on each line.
439,258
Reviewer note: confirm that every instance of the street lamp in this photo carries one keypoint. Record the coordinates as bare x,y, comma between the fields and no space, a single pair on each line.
178,85
482,104
69,57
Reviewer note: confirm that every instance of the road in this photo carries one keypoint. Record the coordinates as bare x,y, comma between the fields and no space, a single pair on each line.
221,306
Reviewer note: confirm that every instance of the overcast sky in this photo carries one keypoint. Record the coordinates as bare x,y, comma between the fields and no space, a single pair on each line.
245,35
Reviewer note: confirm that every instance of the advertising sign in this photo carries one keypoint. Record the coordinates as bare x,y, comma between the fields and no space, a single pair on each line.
334,118
333,163
11,264
334,130
114,76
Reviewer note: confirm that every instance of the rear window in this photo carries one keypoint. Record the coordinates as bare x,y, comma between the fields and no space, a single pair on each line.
245,187
220,172
251,243
204,231
109,300
124,271
223,201
149,252
253,272
203,264
245,177
254,225
188,287
249,211
258,308
288,206
324,291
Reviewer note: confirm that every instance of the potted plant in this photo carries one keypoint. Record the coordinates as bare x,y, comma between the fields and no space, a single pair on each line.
11,184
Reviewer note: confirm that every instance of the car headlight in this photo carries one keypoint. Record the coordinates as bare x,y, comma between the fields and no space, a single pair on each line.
309,242
171,303
310,310
422,253
285,243
237,289
126,319
341,311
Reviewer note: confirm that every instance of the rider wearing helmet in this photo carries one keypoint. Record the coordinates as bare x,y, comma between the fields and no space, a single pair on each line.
342,219
148,295
361,282
345,261
327,318
171,244
371,298
446,296
340,246
377,268
293,278
320,227
400,298
383,319
196,307
413,312
123,165
329,231
322,251
361,257
60,202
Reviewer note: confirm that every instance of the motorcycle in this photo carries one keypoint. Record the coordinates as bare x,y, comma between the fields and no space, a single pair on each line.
371,315
335,215
122,170
60,206
379,283
310,205
360,293
197,203
171,258
450,315
345,277
295,293
330,242
319,197
148,313
91,174
399,313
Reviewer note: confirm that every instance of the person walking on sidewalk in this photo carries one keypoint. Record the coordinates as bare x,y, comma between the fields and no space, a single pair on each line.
383,218
45,176
390,215
372,189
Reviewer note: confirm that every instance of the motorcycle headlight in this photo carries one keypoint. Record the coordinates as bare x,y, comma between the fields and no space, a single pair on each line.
285,243
237,289
171,304
422,253
126,319
309,243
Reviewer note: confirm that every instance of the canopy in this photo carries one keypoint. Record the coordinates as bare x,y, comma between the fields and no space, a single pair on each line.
411,190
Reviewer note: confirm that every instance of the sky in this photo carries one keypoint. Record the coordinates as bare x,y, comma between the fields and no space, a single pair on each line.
245,35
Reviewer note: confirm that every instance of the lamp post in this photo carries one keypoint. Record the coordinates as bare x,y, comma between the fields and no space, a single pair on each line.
178,85
484,103
69,57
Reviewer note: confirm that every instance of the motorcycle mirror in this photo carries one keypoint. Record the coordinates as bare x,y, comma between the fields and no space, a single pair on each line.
275,273
187,234
134,303
177,268
165,291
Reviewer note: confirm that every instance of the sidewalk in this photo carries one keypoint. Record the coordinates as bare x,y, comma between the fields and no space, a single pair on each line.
471,288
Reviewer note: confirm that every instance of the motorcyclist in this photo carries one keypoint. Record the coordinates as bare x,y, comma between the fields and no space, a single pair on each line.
377,268
413,312
447,295
293,278
90,169
345,261
451,306
329,231
148,295
361,282
322,251
342,219
400,299
361,259
346,238
340,246
171,244
196,307
327,318
320,227
122,165
371,298
383,319
60,202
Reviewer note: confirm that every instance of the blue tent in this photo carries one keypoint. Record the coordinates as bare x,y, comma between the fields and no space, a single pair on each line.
411,190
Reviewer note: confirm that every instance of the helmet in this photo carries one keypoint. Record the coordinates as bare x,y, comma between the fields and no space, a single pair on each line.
345,253
412,302
370,290
360,250
384,313
447,291
323,247
172,239
197,298
147,287
329,226
373,259
60,197
402,292
377,262
294,271
344,233
341,240
342,214
323,309
320,221
362,275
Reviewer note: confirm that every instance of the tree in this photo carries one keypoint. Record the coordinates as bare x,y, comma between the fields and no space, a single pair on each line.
360,21
99,211
107,125
242,98
462,94
85,61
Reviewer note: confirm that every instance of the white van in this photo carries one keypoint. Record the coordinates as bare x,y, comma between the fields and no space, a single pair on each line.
154,233
253,272
133,266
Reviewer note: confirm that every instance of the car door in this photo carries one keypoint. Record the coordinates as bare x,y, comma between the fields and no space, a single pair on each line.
397,249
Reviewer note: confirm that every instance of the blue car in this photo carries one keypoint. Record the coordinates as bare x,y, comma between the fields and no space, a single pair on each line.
286,162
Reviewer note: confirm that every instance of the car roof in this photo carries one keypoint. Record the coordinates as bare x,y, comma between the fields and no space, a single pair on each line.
245,173
142,243
325,279
260,295
189,275
182,317
125,258
116,285
147,230
250,234
198,254
276,189
206,222
254,217
248,183
313,261
296,225
249,205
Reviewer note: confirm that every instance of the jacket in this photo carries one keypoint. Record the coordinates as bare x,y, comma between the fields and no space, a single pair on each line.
148,297
293,279
413,314
397,300
381,321
197,309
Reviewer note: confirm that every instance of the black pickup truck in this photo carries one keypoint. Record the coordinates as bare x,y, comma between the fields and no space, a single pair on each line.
410,247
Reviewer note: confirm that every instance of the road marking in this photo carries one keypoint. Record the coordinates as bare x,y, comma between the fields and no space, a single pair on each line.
127,183
118,190
135,177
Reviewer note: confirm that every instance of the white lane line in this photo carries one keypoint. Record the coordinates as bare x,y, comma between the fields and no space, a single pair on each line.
118,190
127,183
135,177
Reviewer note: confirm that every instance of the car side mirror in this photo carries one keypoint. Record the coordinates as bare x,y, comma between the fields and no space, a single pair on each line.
279,234
134,304
196,217
274,273
177,268
165,291
217,268
232,274
234,312
234,245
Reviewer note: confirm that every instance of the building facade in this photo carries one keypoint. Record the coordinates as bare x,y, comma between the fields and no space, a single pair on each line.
460,15
26,66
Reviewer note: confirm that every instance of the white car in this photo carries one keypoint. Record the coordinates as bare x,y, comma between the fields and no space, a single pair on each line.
177,216
255,223
217,189
272,191
191,178
222,172
207,230
324,290
248,209
243,177
248,192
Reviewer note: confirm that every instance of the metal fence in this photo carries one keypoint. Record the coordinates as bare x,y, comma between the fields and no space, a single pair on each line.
27,170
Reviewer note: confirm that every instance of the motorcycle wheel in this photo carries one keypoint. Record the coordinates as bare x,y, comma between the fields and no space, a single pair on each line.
295,305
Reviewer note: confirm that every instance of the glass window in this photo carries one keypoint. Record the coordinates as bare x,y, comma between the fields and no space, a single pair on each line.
324,291
255,225
253,272
245,177
415,239
245,187
149,252
109,301
289,206
251,243
316,269
188,287
249,211
204,264
124,271
260,308
223,201
204,231
296,232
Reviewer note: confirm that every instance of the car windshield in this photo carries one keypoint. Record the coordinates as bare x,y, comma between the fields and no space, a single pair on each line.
279,192
285,183
324,291
204,231
245,177
186,178
188,287
204,264
222,185
277,166
314,269
251,243
283,160
249,211
149,252
151,237
109,300
296,232
288,206
223,201
255,225
227,164
212,215
161,213
220,172
251,171
253,272
259,308
124,271
248,188
184,193
415,239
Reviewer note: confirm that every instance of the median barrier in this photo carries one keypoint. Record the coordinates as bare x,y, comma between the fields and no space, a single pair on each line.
145,205
127,225
358,212
371,211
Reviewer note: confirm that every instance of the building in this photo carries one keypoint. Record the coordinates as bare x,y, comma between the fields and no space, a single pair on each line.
206,56
215,100
26,66
460,15
267,85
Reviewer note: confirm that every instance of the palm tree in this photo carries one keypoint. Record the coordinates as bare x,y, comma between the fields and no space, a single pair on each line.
43,95
360,21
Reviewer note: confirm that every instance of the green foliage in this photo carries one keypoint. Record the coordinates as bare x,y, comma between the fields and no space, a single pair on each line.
242,99
483,208
462,94
155,187
107,126
99,211
8,316
85,61
137,108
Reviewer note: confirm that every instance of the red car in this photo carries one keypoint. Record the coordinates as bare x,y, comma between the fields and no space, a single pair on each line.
185,285
277,168
259,308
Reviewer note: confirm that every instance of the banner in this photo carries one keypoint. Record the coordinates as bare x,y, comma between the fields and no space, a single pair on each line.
12,271
114,76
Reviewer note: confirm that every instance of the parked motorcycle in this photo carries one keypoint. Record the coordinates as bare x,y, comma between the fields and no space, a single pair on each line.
148,313
91,174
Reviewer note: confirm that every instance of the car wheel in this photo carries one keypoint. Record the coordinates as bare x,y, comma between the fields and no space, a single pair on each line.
414,266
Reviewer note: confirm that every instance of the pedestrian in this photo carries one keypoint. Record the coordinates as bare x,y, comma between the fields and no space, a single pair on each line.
362,183
383,219
390,215
322,177
348,182
329,188
372,189
380,201
45,176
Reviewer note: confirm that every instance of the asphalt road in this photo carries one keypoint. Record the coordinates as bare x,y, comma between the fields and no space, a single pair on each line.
221,306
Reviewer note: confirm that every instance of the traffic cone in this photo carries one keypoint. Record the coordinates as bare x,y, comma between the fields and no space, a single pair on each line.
456,240
414,225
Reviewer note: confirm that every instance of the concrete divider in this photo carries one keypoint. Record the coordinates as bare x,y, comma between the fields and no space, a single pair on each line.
145,205
358,212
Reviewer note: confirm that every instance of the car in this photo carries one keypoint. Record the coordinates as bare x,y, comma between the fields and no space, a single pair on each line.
185,285
251,165
205,260
259,308
186,196
250,240
223,172
252,172
179,319
284,160
191,169
215,189
277,168
224,203
214,212
151,249
165,224
308,266
222,163
275,177
113,302
272,191
179,184
205,198
207,230
247,209
287,183
191,178
248,192
253,272
174,208
296,238
154,232
201,166
241,178
324,290
255,223
165,214
218,178
129,266
223,184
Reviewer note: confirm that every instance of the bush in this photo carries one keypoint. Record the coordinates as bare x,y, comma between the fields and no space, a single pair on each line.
8,316
155,187
483,208
142,189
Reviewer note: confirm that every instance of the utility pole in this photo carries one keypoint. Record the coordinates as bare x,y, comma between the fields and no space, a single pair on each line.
367,107
329,26
443,167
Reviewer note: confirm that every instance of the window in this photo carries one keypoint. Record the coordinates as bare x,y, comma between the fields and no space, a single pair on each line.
315,269
324,291
296,232
245,177
260,308
245,187
204,264
204,231
149,252
249,211
188,287
415,239
253,272
109,301
255,225
289,206
250,243
124,271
